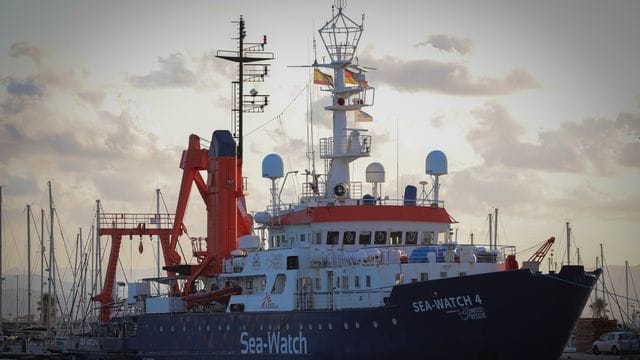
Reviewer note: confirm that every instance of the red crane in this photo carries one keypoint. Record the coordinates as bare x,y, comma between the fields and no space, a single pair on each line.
539,255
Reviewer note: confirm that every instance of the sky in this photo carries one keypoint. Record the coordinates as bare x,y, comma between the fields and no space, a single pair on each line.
536,104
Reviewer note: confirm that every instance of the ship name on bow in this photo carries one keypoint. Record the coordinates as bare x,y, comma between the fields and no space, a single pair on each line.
276,343
467,306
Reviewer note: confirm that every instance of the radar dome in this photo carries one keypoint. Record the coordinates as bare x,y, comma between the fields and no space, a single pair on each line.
375,173
272,167
436,163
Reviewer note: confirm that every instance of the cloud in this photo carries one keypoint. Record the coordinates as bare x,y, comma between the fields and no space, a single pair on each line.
26,87
448,43
594,145
446,78
185,70
24,48
173,72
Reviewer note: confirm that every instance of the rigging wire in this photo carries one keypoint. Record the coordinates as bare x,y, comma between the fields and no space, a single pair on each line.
280,114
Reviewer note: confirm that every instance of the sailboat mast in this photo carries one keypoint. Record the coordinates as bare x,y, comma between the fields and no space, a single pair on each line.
52,268
28,263
1,282
626,283
568,244
42,260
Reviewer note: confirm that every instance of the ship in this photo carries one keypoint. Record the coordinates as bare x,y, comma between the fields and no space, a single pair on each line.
336,275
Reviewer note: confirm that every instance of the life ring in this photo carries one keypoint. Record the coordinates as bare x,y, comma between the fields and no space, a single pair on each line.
380,236
411,236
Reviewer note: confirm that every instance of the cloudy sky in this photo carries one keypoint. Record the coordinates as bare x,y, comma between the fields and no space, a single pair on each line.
536,104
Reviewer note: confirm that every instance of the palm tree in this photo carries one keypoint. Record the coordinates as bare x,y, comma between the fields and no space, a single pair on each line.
599,308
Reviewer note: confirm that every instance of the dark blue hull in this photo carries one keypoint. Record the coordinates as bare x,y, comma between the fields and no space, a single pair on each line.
503,315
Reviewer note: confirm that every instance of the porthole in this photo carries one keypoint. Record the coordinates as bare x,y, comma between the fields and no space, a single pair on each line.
261,327
357,325
199,327
287,326
184,328
301,327
346,325
228,327
172,329
219,327
330,326
394,321
208,328
160,329
270,327
310,326
319,326
375,324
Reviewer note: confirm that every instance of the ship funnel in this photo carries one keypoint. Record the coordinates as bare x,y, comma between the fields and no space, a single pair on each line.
272,167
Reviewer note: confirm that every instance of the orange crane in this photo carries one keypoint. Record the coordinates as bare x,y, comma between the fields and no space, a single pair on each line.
534,261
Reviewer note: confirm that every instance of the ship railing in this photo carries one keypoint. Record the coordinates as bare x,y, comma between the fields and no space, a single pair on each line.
354,200
132,220
345,146
340,298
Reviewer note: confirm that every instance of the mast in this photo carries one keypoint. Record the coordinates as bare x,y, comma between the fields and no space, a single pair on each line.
568,244
341,36
51,282
1,278
626,283
158,239
602,264
28,264
247,56
495,233
490,231
41,260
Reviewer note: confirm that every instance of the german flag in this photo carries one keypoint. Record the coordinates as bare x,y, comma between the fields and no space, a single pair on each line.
355,79
321,78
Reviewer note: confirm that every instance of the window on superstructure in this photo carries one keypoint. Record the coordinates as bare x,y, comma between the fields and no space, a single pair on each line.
411,238
345,282
349,238
302,238
333,237
364,238
318,284
356,282
317,238
426,238
279,284
395,237
424,276
249,284
381,238
443,274
367,281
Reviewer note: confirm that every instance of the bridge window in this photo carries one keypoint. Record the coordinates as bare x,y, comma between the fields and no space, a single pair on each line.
381,238
345,282
411,238
349,238
368,281
426,238
365,238
356,282
317,238
395,237
333,237
278,285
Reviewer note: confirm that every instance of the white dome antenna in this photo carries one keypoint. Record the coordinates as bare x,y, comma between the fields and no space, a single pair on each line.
436,165
273,168
375,175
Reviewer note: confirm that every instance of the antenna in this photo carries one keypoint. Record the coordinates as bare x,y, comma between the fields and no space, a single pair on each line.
249,57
